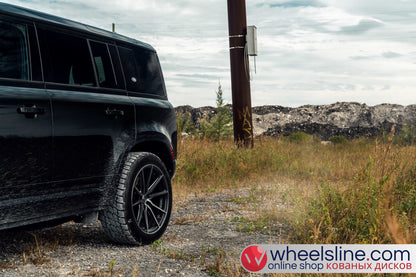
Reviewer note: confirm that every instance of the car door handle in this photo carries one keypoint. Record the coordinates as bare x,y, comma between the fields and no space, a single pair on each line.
30,111
113,113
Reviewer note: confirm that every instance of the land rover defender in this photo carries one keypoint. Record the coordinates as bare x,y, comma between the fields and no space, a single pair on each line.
86,128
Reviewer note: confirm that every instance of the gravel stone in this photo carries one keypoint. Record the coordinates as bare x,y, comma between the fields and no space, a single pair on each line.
201,231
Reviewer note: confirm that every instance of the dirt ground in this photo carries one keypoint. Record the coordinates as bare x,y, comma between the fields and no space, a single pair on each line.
205,237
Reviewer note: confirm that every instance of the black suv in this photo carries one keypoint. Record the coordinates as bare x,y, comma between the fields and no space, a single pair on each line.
86,129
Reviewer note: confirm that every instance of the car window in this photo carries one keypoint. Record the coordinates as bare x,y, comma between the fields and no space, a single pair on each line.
142,71
115,58
66,59
103,65
14,58
152,74
130,68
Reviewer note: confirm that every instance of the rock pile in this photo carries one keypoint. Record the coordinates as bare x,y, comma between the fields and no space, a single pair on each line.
349,119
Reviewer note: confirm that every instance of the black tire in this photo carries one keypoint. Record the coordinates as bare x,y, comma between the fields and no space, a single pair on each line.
140,211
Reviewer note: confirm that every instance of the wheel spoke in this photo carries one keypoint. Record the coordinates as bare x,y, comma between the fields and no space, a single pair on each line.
157,194
150,178
137,190
136,183
143,183
140,212
137,202
146,219
160,209
153,215
154,185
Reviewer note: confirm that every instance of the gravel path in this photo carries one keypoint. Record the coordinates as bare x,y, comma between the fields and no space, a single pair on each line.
201,240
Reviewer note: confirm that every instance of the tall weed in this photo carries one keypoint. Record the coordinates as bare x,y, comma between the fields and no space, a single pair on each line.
377,207
204,161
360,191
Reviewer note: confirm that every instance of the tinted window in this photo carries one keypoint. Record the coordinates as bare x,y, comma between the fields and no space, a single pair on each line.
142,71
66,59
103,65
14,58
36,70
117,66
131,71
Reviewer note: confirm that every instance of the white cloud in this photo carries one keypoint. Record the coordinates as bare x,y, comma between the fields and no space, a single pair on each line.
310,51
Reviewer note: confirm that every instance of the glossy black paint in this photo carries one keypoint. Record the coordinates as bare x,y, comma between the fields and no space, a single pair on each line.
88,139
62,146
26,150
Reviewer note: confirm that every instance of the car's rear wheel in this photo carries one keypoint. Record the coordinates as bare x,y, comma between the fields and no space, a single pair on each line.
140,210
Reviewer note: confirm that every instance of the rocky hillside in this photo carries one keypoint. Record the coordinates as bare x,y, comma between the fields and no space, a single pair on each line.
349,119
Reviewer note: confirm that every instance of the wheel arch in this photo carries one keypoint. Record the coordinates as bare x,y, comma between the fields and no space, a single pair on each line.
153,142
161,148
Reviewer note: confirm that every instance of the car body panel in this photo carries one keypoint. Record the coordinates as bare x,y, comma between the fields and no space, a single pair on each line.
26,150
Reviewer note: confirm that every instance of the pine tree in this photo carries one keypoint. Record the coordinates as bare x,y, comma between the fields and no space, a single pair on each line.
220,125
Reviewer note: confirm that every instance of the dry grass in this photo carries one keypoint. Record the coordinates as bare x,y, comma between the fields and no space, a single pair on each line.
36,253
208,166
361,191
33,247
329,179
378,206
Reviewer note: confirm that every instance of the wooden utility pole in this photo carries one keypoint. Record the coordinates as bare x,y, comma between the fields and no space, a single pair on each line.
240,78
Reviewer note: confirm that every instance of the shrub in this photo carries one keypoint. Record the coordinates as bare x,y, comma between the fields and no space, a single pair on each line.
407,136
185,124
338,140
299,137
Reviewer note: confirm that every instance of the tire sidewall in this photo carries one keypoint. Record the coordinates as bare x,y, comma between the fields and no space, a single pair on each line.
141,160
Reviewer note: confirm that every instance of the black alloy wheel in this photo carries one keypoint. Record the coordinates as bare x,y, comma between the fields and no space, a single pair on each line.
140,210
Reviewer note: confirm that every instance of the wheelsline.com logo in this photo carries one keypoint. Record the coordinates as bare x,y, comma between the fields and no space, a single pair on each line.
253,258
331,258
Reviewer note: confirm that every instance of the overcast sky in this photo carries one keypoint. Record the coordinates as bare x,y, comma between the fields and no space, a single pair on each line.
310,51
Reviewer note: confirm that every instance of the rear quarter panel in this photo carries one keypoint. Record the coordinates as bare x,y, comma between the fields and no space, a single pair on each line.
155,121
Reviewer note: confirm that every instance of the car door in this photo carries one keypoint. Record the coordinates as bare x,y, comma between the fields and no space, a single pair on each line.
25,127
93,118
